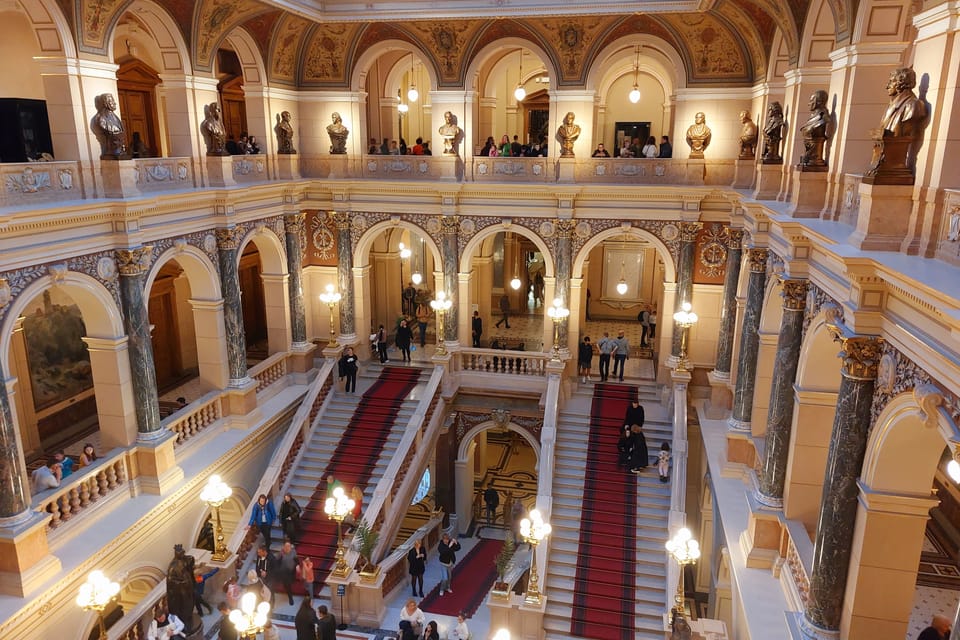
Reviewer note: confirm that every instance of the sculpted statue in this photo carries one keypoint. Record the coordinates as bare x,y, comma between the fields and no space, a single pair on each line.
450,133
338,135
680,628
814,133
285,134
772,134
567,134
214,134
698,136
180,585
748,136
109,128
894,143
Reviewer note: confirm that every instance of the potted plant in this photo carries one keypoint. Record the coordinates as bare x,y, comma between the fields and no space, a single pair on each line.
367,540
502,561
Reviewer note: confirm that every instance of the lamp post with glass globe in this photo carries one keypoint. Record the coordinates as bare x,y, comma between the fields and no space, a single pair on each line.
337,507
558,313
441,305
331,297
251,617
215,493
685,318
533,530
95,594
685,550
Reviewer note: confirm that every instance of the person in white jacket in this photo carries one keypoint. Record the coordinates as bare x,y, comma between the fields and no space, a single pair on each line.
459,630
165,626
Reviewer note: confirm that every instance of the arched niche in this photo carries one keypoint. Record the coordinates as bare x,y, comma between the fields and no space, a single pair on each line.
365,63
819,35
148,25
231,516
273,278
51,28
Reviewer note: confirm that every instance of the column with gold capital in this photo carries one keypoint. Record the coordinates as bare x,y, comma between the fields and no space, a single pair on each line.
688,250
728,312
449,252
564,266
293,239
348,330
780,413
15,497
228,242
132,266
749,340
860,357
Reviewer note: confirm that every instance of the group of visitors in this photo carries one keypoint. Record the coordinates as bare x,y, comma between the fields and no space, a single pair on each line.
632,148
514,148
59,466
414,626
413,623
246,145
632,445
394,148
618,348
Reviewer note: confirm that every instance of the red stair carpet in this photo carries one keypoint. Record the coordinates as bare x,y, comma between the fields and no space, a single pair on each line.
603,605
472,578
353,461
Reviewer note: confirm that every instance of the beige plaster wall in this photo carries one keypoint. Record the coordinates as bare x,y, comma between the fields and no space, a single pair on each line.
21,75
722,110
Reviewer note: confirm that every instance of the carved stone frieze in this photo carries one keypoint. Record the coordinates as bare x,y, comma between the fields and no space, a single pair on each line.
758,258
899,374
860,356
467,420
817,299
795,293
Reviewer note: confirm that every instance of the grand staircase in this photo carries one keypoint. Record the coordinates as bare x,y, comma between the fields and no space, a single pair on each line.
307,482
606,619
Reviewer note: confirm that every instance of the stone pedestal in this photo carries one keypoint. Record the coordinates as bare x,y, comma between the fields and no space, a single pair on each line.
695,171
288,166
566,169
448,167
301,357
883,218
157,472
525,621
25,559
119,178
721,397
333,351
362,601
760,541
744,172
220,171
808,193
768,181
241,398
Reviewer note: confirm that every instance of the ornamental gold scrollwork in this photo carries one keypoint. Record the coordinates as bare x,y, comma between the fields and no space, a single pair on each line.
133,262
734,238
294,223
564,228
341,219
229,238
449,225
860,356
689,231
795,294
758,259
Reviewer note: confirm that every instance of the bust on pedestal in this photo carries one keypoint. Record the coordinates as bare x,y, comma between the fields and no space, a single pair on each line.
894,143
219,162
814,133
698,136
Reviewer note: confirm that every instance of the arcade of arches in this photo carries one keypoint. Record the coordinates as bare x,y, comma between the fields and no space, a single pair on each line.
168,307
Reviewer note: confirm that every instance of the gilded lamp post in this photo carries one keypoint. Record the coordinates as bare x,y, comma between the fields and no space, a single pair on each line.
215,493
533,530
337,507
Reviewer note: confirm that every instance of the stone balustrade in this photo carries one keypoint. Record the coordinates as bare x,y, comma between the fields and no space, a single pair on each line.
270,370
196,417
508,362
82,489
31,183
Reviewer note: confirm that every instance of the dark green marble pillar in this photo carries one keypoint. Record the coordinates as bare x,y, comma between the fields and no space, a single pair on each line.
749,341
564,266
728,312
780,413
131,264
860,357
348,329
688,254
449,251
228,242
293,228
15,496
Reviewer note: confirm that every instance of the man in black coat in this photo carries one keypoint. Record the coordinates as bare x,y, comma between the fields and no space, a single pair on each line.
327,627
939,629
477,326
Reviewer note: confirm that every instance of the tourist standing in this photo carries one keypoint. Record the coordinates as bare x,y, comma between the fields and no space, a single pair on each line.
585,358
348,369
403,339
447,551
606,346
622,350
417,561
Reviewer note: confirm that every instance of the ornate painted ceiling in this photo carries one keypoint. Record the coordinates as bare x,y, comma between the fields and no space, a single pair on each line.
317,43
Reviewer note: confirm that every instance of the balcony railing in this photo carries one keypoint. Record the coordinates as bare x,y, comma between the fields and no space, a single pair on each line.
161,174
194,418
508,362
82,489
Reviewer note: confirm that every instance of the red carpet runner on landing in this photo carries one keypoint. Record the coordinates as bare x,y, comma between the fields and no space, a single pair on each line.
353,461
472,578
603,605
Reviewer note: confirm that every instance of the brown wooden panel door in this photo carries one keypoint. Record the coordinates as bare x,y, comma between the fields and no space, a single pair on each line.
136,93
135,107
166,341
252,302
234,117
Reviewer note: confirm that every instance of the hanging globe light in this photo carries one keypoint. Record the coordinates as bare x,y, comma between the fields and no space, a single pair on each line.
635,95
413,94
515,283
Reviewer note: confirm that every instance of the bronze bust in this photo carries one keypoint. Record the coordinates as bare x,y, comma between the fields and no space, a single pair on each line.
450,133
567,134
772,134
748,136
109,128
895,142
814,133
698,136
338,135
214,133
284,134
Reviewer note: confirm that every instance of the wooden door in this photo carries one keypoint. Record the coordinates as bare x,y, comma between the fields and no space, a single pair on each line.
234,107
162,312
251,300
137,99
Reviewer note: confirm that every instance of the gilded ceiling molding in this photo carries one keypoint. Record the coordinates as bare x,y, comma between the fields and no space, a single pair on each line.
212,21
745,26
712,51
262,28
285,45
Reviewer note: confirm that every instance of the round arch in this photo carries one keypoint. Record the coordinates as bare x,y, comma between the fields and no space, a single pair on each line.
658,58
273,282
482,59
469,436
50,26
201,273
365,243
231,514
772,312
101,316
670,269
243,44
174,53
819,368
366,60
273,253
819,29
477,240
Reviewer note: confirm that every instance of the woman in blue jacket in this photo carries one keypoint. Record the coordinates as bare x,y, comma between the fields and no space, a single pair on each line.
263,516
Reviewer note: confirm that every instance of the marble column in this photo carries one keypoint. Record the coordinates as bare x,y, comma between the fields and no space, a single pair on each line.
228,242
449,254
780,413
15,497
688,249
728,311
293,228
131,264
564,266
860,356
749,341
348,329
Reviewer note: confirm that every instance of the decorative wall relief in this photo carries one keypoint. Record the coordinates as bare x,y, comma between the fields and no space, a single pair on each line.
286,44
95,17
447,43
899,374
817,300
325,58
572,38
714,51
711,255
216,18
321,245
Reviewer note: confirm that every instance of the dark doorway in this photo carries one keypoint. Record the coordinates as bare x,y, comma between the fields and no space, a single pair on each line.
628,131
